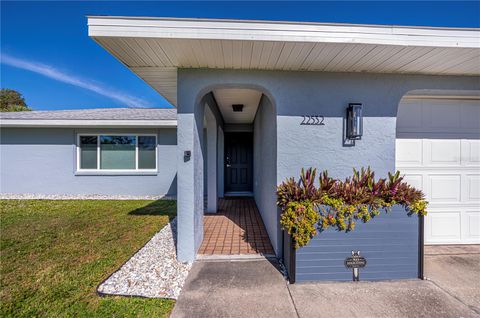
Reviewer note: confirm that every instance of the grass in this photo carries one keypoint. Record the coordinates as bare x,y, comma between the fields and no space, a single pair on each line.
55,253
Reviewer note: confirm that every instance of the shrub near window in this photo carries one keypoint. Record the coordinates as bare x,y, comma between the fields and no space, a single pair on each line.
340,204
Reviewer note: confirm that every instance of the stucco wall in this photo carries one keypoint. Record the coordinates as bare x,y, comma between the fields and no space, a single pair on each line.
295,94
264,166
191,174
43,161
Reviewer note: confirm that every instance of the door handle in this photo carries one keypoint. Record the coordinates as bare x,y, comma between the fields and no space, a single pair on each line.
228,165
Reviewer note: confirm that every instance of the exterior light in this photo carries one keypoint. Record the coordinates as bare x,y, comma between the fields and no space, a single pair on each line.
237,107
354,121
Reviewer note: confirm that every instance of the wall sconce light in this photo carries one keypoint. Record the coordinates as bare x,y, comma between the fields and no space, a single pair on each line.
354,121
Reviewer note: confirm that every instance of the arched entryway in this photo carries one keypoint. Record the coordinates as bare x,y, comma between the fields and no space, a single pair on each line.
233,129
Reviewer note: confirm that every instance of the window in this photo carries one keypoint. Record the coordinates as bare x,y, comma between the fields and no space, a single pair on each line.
88,152
117,152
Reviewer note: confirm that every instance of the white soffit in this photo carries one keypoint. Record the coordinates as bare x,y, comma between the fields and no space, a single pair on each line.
443,94
154,48
226,97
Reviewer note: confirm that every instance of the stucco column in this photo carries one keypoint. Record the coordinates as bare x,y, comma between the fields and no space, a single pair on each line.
189,185
211,161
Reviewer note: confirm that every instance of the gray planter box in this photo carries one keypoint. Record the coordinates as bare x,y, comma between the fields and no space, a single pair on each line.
391,243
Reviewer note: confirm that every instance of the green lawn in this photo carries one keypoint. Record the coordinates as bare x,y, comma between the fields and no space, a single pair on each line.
55,253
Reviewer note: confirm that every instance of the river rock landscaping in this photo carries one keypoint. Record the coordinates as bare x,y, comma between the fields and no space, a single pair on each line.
152,272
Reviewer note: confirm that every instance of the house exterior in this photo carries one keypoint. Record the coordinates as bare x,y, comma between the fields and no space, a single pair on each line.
255,102
41,152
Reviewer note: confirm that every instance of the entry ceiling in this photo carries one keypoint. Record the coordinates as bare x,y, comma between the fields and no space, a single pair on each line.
154,48
226,97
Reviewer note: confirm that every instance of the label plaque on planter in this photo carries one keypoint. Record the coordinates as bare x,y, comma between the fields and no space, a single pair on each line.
355,262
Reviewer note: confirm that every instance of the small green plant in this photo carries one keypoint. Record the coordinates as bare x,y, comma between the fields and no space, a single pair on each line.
341,204
299,219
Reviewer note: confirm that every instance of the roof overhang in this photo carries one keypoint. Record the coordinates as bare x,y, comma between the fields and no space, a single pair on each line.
87,123
154,48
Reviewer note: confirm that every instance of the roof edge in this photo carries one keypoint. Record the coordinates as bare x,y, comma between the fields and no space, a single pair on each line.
209,29
283,22
75,123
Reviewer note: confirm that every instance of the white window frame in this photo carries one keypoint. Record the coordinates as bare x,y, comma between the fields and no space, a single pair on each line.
98,135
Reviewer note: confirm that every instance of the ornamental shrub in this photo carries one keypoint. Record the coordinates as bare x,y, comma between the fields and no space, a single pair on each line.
299,219
341,203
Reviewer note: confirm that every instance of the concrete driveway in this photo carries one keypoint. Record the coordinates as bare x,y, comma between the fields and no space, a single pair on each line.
257,289
456,270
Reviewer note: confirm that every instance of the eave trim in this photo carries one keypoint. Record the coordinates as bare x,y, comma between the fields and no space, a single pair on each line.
88,123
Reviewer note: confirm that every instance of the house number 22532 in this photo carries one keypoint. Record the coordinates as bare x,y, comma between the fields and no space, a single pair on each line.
313,120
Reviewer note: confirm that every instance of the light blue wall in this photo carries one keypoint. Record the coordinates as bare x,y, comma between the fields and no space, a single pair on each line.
294,94
43,161
264,167
191,181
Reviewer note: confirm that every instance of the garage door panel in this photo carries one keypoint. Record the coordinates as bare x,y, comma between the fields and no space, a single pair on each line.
471,155
473,188
472,225
438,151
409,152
443,152
444,188
415,180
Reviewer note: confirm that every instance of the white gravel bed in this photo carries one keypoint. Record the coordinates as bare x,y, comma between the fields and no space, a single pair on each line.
152,272
33,196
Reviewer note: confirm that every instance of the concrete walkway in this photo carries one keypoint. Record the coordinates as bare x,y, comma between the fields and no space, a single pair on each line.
253,288
257,289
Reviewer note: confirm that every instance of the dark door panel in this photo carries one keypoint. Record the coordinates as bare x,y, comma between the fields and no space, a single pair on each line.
238,162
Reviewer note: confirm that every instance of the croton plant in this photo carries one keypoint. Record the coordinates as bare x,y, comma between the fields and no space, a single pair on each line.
340,204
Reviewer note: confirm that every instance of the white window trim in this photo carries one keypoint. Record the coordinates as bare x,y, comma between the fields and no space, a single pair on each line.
101,171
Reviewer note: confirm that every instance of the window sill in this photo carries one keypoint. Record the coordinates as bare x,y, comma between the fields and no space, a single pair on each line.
116,173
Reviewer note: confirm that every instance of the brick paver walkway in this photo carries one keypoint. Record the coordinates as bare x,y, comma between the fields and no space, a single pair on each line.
237,228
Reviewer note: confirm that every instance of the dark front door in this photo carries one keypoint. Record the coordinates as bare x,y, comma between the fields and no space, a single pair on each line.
238,162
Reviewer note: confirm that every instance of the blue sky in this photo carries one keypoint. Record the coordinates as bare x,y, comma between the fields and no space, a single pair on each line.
50,38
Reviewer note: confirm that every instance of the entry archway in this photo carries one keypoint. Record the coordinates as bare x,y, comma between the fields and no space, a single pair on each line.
245,161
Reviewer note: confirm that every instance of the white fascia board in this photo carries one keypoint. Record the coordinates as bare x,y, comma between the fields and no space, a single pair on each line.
88,123
281,31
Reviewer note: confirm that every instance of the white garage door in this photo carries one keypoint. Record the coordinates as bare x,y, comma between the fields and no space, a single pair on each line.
438,150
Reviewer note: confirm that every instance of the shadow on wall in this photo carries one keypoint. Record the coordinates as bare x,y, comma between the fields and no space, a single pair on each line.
158,208
172,190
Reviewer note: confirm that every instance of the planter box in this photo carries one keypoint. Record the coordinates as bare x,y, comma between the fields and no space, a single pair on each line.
391,243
